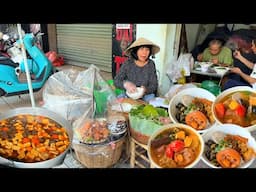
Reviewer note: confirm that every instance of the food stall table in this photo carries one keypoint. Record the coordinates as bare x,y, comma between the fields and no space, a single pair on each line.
198,76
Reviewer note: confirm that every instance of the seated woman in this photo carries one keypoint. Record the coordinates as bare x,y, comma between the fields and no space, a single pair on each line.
247,80
250,56
139,70
217,54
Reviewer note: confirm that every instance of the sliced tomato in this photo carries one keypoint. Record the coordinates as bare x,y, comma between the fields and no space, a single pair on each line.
176,145
169,152
220,110
35,140
55,136
25,140
240,111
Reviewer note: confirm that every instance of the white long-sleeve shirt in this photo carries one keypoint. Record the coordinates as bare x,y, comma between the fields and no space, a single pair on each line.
253,74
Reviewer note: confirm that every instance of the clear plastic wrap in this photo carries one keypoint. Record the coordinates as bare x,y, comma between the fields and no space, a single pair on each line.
64,94
77,95
184,63
83,98
176,88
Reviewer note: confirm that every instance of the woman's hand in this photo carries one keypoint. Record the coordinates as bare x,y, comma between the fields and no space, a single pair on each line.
144,89
215,61
235,70
237,54
200,57
129,86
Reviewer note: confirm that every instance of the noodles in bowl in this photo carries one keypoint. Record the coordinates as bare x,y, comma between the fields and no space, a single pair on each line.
175,146
193,106
228,146
236,105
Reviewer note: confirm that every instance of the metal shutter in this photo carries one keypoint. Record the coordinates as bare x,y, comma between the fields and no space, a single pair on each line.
86,44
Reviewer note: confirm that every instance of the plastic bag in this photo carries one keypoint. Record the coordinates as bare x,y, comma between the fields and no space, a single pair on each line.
64,94
187,61
100,93
184,64
211,86
77,94
173,72
176,88
56,59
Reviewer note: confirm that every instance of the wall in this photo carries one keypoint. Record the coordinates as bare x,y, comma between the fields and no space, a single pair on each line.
236,26
52,37
164,36
204,31
191,32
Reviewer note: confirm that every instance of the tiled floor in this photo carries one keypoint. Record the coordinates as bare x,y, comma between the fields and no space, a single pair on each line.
24,100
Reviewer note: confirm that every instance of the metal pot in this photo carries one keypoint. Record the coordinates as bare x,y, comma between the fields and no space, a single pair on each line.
46,113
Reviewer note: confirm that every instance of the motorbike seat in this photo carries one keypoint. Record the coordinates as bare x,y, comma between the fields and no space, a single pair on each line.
2,58
8,61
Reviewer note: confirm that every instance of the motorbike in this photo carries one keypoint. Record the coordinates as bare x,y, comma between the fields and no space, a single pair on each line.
5,43
12,69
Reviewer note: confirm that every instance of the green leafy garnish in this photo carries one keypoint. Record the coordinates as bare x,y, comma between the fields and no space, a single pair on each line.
149,112
221,145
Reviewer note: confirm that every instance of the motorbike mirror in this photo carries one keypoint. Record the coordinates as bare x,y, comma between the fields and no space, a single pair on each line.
39,34
5,37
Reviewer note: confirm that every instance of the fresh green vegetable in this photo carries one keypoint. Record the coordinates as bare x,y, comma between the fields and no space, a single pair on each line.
221,145
149,112
190,108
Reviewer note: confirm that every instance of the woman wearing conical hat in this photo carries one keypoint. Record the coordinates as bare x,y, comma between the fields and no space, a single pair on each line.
139,70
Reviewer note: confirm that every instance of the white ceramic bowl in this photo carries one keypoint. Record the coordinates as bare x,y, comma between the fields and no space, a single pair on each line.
169,127
205,66
196,92
221,70
137,94
224,94
229,129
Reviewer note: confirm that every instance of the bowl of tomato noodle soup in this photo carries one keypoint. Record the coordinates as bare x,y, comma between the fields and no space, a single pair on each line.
236,105
175,146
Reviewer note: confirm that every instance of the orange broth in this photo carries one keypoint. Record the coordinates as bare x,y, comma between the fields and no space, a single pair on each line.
158,154
231,116
32,138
